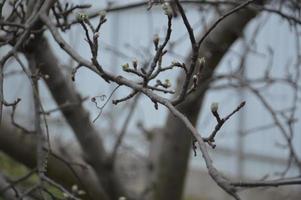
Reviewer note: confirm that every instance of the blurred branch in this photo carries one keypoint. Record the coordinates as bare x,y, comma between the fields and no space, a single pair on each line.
78,118
269,183
15,182
123,131
211,46
6,190
57,168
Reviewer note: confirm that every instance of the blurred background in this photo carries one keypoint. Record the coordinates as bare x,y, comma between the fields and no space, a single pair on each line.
249,146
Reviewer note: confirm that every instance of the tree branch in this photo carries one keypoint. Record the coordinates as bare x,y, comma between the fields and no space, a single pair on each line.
58,170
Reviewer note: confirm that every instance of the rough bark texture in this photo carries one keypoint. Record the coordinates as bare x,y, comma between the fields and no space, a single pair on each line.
171,165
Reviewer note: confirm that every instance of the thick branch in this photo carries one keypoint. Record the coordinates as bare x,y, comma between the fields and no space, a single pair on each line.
77,117
10,141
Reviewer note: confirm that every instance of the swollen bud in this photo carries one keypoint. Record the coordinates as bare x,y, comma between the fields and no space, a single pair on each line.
195,78
65,195
201,61
81,192
125,66
214,107
46,76
81,17
74,188
167,9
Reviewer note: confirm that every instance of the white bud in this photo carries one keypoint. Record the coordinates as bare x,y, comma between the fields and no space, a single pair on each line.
81,16
46,76
121,198
195,78
201,61
32,36
74,188
167,9
65,195
81,192
214,107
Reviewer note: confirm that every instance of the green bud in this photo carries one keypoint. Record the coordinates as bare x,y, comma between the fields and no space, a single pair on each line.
125,66
81,16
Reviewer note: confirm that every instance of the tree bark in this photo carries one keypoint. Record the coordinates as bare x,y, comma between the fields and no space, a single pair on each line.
77,117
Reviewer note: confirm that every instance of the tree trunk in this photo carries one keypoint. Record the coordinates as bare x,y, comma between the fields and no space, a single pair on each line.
58,170
172,160
77,117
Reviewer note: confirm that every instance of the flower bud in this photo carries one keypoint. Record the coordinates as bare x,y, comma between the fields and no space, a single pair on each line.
201,61
195,78
46,76
125,66
81,17
167,83
81,192
167,9
65,195
74,188
214,107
